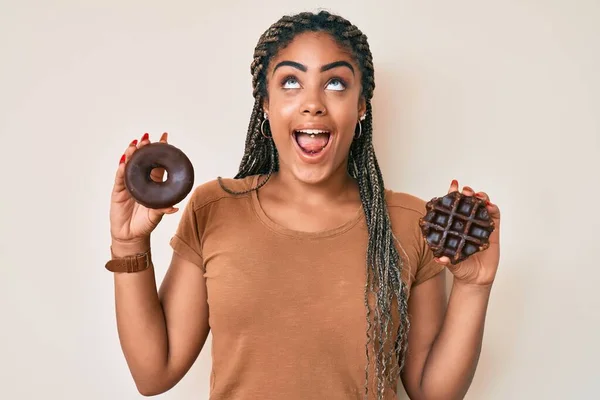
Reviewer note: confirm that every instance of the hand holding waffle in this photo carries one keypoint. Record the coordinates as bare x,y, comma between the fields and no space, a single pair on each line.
463,230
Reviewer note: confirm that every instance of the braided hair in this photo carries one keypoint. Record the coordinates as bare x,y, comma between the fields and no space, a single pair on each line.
383,263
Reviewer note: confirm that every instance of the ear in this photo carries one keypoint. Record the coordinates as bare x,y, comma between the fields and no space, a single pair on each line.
362,106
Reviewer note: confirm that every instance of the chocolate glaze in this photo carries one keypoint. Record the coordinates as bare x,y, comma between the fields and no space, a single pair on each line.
456,226
152,194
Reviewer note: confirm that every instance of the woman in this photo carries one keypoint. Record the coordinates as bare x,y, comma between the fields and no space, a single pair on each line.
306,269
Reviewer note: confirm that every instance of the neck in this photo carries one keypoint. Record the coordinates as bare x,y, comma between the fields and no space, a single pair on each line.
339,186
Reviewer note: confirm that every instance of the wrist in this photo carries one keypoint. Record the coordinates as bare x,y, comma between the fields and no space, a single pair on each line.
472,287
121,248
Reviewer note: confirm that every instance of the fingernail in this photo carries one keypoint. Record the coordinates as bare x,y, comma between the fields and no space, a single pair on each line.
145,137
134,142
122,159
454,182
480,195
468,188
487,203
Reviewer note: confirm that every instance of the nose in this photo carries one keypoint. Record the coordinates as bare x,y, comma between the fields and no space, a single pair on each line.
313,105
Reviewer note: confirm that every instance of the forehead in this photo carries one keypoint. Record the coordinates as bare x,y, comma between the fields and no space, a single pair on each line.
313,49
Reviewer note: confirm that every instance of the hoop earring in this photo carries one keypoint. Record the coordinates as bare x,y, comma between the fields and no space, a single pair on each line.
359,131
262,130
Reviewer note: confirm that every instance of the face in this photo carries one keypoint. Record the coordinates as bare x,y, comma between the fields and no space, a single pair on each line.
314,103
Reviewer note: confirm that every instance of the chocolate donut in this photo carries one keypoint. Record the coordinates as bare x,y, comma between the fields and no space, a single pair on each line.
152,194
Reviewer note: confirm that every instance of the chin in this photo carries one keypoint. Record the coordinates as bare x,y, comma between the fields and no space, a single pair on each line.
311,175
314,167
316,162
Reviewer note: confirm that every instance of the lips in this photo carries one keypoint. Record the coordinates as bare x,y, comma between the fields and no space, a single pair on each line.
312,141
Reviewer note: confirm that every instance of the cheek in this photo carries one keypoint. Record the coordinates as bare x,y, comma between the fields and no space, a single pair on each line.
286,109
345,115
280,121
281,111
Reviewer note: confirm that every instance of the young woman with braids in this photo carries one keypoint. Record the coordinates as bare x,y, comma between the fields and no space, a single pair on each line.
312,276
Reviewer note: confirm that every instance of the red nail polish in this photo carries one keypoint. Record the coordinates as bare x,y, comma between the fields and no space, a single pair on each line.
122,159
454,182
134,142
480,195
145,137
468,188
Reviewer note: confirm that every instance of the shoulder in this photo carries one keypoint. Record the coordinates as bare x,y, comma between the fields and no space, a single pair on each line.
213,191
405,204
405,211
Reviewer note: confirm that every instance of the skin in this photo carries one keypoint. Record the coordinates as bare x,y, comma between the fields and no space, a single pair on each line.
303,196
445,338
159,339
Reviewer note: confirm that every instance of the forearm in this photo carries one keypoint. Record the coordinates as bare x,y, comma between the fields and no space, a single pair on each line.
452,360
141,322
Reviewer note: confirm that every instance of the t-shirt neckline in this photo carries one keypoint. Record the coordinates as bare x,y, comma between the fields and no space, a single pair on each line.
274,226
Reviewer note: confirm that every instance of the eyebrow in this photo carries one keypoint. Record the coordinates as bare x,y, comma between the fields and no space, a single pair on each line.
324,68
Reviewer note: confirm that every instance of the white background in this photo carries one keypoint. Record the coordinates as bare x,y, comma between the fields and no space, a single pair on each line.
503,96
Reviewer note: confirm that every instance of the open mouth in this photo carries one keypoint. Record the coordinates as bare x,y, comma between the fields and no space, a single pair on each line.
312,141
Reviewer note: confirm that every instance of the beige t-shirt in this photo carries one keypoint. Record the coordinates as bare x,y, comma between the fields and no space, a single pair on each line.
287,309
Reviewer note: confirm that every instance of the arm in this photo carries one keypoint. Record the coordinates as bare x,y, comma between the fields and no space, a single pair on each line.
444,342
161,333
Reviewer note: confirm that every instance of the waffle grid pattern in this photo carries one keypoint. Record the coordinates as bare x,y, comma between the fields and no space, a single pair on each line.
456,226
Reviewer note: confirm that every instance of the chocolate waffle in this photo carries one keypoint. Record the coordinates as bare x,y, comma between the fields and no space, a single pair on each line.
456,226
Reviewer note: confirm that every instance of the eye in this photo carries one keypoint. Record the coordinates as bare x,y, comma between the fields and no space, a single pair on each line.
336,84
290,83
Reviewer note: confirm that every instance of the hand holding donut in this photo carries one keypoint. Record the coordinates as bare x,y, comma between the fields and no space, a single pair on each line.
131,222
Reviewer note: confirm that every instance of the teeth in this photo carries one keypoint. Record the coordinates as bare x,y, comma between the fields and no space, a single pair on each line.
312,132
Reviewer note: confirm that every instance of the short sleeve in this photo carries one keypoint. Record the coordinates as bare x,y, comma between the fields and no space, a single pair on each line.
427,267
187,240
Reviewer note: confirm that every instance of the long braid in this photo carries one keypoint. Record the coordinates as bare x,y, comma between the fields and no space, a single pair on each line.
383,264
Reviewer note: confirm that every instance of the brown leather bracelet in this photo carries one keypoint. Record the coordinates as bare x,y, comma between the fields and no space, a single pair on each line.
130,264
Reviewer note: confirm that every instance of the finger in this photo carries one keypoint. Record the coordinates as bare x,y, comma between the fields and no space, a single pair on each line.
164,137
468,191
144,140
167,210
442,260
494,212
130,149
120,174
483,196
493,209
157,174
119,184
156,215
453,186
